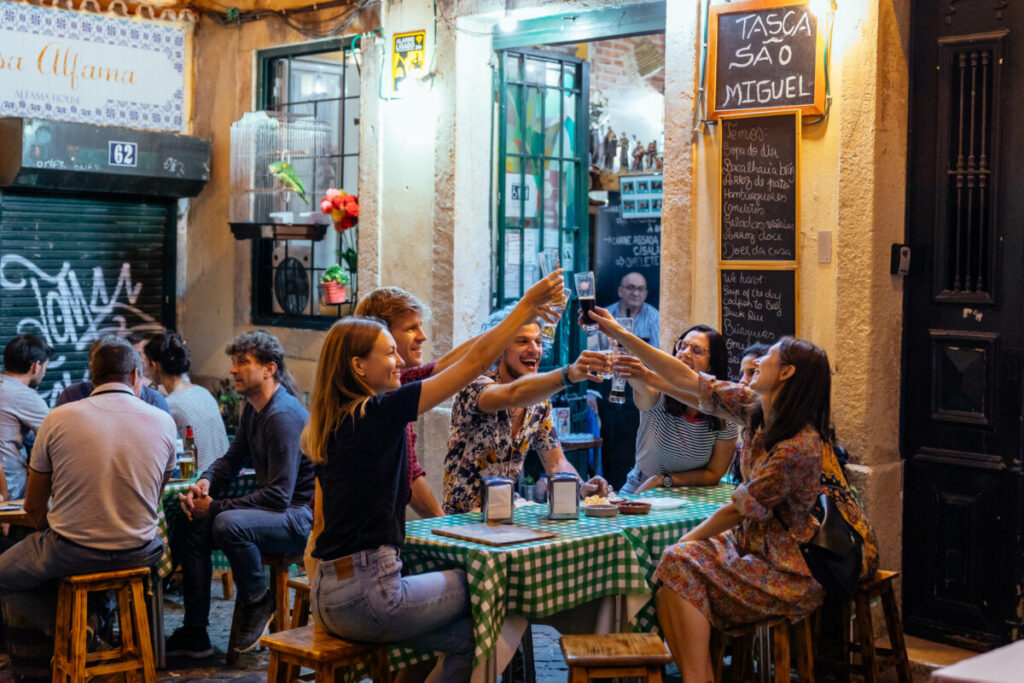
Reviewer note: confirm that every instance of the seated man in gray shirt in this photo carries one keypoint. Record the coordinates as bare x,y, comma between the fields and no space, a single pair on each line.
22,409
105,460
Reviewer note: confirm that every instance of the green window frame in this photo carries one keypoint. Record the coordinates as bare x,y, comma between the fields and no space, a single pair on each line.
542,182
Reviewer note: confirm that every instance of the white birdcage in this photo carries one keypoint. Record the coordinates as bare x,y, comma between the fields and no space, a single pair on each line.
275,174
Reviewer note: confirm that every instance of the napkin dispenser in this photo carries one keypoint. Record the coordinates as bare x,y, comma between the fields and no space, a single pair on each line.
497,500
563,496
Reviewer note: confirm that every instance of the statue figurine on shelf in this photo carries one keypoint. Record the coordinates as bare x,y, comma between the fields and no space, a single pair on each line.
638,156
659,163
608,155
652,154
623,152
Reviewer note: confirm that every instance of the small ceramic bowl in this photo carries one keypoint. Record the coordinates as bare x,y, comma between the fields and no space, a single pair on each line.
634,507
600,510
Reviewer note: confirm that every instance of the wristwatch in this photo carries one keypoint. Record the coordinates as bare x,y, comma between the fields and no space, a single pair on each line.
666,481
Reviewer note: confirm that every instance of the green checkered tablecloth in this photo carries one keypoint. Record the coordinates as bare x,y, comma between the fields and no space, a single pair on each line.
169,512
588,559
650,534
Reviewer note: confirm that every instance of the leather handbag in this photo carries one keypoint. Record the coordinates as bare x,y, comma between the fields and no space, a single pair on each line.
834,553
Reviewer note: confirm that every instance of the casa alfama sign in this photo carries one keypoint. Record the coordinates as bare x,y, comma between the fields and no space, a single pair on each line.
89,68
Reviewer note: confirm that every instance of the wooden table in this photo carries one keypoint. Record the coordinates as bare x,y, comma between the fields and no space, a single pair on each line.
16,517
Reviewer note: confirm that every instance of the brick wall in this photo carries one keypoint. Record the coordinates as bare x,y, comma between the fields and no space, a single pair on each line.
612,65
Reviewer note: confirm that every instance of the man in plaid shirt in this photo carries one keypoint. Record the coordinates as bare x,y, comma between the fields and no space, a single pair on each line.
403,313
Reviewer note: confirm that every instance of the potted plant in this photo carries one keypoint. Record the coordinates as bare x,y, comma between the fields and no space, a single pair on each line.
333,283
343,208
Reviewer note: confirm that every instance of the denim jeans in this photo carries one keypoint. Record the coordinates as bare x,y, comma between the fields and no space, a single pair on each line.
427,612
30,570
242,534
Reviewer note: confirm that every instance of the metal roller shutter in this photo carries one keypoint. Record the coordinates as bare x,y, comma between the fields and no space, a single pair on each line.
72,269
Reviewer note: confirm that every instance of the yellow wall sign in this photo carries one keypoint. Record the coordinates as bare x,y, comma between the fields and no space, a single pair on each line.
408,57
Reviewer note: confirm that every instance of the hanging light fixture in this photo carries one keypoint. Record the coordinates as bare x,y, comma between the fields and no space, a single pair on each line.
507,23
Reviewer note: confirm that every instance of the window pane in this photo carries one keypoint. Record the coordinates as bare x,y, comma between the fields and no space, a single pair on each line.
535,126
569,76
513,119
552,193
351,77
534,71
350,178
552,74
569,134
552,122
514,67
351,128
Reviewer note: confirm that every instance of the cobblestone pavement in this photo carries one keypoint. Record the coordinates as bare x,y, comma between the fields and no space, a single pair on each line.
252,666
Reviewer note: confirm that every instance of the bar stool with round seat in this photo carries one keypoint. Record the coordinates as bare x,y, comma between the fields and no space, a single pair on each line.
614,655
71,660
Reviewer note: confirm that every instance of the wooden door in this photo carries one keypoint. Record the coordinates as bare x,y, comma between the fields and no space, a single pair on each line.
961,388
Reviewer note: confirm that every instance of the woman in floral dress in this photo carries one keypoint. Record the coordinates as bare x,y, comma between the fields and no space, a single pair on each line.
743,564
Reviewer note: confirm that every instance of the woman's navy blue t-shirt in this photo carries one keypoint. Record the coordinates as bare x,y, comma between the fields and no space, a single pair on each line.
362,477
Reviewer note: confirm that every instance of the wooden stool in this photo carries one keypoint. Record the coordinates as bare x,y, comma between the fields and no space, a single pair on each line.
742,660
301,605
279,566
315,648
613,655
71,661
871,658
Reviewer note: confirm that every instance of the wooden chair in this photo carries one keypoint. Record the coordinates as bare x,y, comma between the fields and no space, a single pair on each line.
742,668
614,655
279,566
863,641
315,648
71,661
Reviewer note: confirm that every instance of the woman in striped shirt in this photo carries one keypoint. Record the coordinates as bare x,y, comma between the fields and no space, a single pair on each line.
675,444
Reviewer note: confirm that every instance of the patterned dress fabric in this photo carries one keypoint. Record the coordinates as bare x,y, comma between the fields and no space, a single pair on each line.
756,571
482,444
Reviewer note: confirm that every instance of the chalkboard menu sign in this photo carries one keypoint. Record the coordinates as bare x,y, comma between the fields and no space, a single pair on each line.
758,305
765,55
760,193
626,246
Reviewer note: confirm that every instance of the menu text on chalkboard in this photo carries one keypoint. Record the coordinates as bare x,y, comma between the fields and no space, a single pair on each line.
760,197
765,55
757,306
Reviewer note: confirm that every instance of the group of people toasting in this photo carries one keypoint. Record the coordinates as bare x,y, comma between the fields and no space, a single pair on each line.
741,566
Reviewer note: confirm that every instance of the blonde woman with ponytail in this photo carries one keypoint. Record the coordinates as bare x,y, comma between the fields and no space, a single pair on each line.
356,439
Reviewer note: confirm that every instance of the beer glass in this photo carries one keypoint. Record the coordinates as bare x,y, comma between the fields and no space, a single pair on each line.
618,390
586,290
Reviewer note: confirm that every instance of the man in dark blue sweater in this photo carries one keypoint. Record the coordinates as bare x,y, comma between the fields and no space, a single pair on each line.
276,518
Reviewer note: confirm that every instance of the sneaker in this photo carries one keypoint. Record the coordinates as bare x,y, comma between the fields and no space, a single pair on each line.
253,622
193,643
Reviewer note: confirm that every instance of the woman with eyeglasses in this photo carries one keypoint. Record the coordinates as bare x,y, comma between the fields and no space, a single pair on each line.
743,564
676,445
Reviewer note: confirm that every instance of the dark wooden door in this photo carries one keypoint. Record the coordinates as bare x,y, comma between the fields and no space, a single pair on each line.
961,402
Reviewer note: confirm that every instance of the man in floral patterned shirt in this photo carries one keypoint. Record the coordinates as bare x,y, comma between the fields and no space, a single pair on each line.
511,400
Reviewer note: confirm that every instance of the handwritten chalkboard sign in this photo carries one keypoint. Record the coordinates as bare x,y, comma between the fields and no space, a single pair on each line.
758,305
760,188
626,246
765,55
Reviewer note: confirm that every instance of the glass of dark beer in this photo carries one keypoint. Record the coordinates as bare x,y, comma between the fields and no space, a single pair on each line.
586,290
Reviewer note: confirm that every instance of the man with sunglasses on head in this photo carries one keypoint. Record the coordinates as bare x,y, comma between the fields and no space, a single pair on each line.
633,304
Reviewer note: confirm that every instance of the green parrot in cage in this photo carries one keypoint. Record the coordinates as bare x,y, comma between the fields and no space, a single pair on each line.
285,172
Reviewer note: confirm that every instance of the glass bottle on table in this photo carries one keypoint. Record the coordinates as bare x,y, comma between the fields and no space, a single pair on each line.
618,390
187,463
